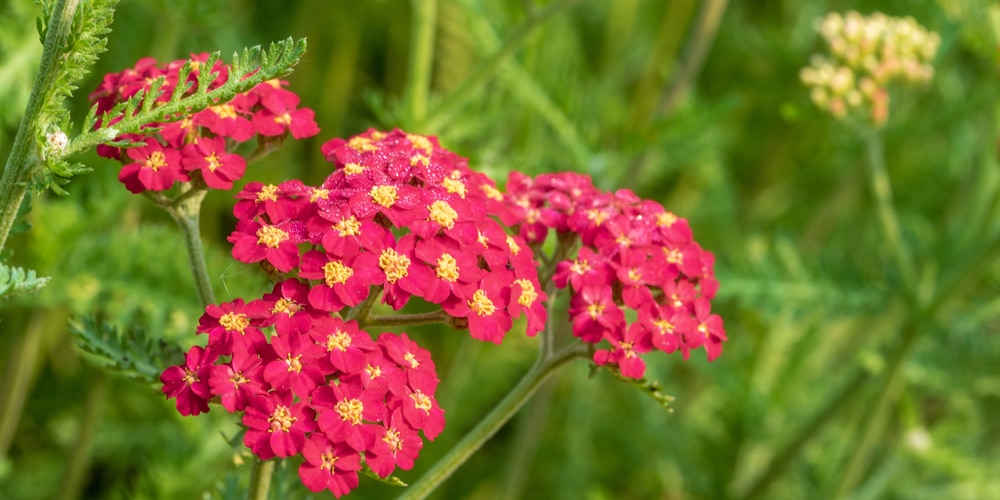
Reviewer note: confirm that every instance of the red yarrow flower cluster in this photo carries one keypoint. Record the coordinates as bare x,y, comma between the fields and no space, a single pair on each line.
635,255
310,384
198,145
400,216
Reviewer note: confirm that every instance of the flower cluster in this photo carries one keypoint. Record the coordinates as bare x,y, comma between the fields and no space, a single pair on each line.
320,387
198,145
400,216
868,54
634,255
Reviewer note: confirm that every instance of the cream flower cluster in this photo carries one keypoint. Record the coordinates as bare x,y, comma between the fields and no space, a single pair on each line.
866,55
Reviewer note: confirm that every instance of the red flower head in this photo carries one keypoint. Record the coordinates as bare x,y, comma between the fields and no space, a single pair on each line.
188,383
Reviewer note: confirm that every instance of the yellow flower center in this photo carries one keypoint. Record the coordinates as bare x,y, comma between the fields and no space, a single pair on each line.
353,168
361,144
294,363
674,256
579,266
234,322
418,159
392,439
491,192
454,186
224,111
410,358
336,273
271,236
528,293
338,340
374,372
350,410
596,216
447,268
156,160
512,244
394,265
318,194
328,461
595,310
348,227
421,401
442,213
383,195
268,193
213,162
238,379
623,240
190,377
281,419
634,274
285,119
482,304
663,326
421,142
666,219
283,305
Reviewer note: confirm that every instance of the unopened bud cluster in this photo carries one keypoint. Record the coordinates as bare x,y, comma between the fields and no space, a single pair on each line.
868,53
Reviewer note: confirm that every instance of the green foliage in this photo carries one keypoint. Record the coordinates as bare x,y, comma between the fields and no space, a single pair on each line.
17,281
131,352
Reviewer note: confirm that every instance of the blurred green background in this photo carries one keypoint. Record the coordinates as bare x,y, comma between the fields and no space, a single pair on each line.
836,381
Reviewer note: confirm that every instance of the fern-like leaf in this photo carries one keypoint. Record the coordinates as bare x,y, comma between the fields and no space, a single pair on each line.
249,68
18,281
131,352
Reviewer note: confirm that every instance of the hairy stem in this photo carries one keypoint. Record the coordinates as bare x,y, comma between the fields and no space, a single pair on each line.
492,423
426,318
260,479
186,214
23,158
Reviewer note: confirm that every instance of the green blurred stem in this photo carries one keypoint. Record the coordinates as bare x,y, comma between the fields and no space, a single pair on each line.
186,212
699,44
785,457
876,422
488,68
79,458
21,367
426,318
23,157
260,479
492,423
882,189
418,78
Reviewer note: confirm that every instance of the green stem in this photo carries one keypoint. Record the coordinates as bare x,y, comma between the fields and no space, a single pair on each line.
23,157
875,423
426,318
488,68
418,81
186,213
21,368
492,423
260,479
785,457
882,189
79,458
700,43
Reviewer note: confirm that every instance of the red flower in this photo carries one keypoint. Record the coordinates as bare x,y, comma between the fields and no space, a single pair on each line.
275,426
344,408
255,241
344,282
230,327
346,345
594,314
393,444
627,345
238,381
156,168
217,167
296,366
189,382
329,465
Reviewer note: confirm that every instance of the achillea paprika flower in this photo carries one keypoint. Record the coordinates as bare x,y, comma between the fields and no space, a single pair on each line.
329,466
276,426
188,383
154,168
